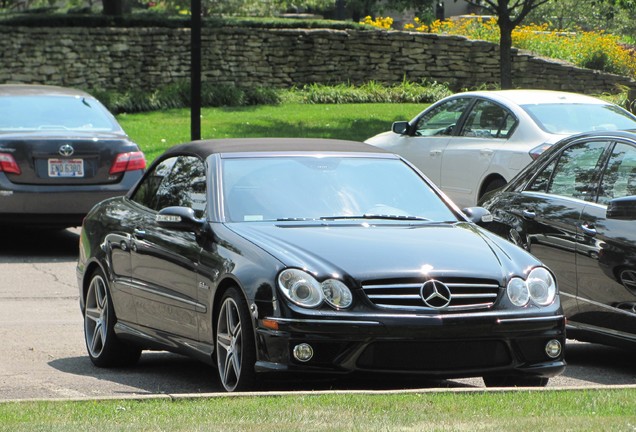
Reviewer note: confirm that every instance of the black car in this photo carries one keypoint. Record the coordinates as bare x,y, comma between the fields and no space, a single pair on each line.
311,255
61,152
575,209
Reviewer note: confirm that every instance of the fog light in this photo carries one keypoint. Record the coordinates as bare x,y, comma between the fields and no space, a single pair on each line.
303,352
553,348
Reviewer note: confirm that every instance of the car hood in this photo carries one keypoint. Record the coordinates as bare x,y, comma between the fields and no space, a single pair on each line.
378,251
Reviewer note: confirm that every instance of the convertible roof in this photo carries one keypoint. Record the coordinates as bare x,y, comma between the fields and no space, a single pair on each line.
204,148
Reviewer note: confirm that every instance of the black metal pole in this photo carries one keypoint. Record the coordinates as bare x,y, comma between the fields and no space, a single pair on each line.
195,72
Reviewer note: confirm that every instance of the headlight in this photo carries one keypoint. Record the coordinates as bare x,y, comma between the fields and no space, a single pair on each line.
336,293
539,287
303,289
518,292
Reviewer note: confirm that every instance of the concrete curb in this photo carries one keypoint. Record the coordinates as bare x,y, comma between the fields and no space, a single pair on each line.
186,396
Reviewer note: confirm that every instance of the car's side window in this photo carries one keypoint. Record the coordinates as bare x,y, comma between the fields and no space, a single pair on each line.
488,120
184,186
178,181
146,193
442,120
574,172
542,179
619,178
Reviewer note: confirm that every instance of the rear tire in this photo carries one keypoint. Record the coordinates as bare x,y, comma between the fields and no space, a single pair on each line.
103,346
515,381
493,184
235,344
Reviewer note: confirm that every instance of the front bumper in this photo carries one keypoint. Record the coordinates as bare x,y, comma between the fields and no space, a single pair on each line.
451,346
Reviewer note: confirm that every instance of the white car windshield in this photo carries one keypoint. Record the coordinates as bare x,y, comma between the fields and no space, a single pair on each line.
327,188
42,113
575,118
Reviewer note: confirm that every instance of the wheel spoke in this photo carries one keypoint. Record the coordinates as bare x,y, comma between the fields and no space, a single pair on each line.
97,339
94,314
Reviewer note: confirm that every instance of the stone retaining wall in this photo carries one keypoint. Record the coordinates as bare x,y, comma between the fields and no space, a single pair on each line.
128,58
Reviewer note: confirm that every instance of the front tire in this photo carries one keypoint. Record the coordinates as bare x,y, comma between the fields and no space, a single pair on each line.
235,345
515,381
103,346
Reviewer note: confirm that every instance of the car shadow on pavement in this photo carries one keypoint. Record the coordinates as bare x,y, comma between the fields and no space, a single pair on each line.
167,373
33,245
600,364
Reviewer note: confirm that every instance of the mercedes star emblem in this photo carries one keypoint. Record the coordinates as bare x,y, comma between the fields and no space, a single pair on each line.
435,294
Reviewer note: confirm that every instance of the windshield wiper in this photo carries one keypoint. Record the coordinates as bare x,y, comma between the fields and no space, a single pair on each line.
376,216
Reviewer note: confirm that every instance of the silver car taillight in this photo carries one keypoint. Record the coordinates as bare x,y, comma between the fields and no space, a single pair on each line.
535,152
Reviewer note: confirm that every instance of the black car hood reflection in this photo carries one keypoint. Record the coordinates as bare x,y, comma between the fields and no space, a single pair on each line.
370,251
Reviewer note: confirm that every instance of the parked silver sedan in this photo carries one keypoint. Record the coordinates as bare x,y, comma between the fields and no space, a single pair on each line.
474,142
61,152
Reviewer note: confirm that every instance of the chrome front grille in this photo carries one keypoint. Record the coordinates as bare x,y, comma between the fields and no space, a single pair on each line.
466,293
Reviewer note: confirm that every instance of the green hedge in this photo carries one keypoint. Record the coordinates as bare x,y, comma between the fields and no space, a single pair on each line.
212,95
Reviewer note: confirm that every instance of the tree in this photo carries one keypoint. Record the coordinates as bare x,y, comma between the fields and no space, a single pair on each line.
510,13
113,7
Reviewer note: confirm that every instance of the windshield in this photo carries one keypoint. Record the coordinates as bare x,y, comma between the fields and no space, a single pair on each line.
32,113
309,187
575,118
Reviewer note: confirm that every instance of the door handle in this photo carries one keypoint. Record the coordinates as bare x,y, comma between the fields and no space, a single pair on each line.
139,233
435,152
588,229
530,214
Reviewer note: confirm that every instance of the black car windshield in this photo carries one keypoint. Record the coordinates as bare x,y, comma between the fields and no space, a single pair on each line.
575,118
41,113
327,188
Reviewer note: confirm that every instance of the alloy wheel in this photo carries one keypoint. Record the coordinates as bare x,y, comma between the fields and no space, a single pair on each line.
229,344
96,316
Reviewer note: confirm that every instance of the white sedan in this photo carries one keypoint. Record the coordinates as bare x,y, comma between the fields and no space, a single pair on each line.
474,142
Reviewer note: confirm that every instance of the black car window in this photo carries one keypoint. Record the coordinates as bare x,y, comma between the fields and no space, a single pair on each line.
442,119
146,192
178,181
542,179
619,178
574,173
488,120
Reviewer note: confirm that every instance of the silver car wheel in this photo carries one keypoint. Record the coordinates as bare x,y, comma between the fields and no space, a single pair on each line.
96,316
229,344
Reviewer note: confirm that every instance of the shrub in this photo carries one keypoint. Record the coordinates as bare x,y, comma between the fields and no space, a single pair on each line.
177,95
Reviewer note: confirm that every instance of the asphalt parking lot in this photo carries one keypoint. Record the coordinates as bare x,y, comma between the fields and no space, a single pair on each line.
43,354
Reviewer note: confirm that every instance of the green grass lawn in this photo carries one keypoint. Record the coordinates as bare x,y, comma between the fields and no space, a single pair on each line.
572,410
156,131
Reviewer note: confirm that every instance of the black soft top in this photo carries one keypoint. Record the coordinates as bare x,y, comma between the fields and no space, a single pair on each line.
205,148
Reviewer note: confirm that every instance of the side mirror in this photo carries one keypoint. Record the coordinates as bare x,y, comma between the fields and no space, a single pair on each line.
180,219
478,215
400,127
622,208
